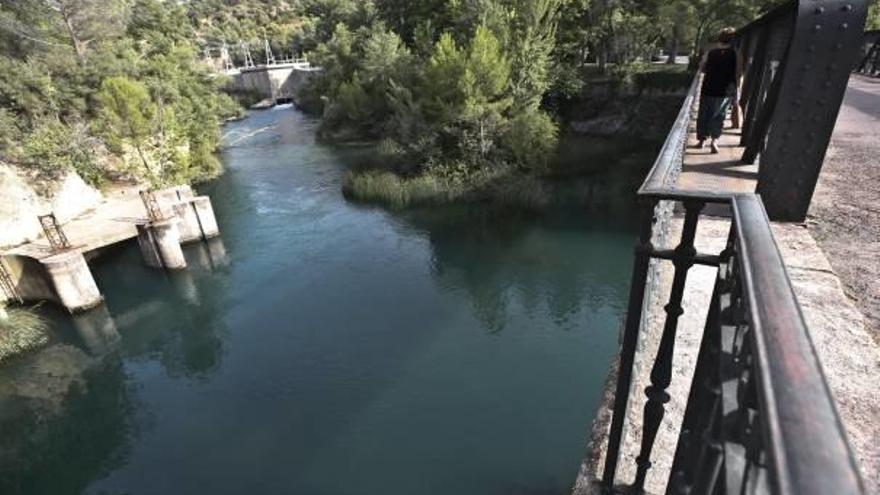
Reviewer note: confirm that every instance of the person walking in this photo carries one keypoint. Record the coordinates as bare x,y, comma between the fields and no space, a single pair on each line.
722,70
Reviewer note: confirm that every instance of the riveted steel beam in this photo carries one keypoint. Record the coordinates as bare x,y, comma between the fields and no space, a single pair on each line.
824,47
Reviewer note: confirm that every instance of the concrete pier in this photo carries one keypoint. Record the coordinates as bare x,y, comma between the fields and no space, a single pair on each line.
36,271
72,281
160,244
195,219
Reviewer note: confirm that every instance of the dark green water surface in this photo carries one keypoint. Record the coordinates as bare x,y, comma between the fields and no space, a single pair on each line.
321,347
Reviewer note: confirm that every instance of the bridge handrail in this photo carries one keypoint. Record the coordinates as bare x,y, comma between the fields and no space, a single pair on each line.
806,441
760,413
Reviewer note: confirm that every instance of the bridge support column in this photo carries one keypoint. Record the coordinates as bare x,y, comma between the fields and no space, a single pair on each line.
160,244
73,281
195,217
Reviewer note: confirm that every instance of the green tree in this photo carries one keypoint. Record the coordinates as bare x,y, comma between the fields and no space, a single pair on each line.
126,119
873,21
532,41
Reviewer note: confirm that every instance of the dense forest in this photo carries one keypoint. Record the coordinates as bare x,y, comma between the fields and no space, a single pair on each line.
454,91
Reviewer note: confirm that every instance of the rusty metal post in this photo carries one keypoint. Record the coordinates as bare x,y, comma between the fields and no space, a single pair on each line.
54,233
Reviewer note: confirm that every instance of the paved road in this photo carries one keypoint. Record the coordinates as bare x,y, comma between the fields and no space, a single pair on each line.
845,214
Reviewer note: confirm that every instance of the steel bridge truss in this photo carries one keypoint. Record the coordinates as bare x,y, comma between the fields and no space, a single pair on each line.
798,59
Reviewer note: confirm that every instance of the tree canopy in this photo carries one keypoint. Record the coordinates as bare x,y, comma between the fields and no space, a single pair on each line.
445,84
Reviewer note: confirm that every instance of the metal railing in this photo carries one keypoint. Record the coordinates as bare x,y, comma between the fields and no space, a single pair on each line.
797,63
759,417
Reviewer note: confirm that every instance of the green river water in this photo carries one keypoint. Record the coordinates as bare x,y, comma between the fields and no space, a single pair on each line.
328,348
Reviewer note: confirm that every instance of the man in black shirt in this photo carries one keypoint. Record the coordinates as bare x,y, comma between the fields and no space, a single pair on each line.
722,69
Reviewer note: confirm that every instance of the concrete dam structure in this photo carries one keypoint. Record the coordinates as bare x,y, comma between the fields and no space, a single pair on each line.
279,82
54,268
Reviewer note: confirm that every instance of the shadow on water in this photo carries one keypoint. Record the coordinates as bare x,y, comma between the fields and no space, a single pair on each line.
65,413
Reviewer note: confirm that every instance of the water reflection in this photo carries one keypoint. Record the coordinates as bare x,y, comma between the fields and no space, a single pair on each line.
96,331
65,413
525,259
181,328
209,255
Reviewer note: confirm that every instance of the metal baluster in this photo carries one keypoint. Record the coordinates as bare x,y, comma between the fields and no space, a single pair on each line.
661,373
638,280
705,391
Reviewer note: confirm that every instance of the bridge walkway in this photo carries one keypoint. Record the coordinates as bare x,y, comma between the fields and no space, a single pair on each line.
848,351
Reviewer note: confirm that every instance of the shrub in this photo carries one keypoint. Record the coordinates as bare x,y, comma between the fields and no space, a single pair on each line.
532,139
21,330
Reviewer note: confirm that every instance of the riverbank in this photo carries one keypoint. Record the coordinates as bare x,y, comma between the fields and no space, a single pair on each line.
610,115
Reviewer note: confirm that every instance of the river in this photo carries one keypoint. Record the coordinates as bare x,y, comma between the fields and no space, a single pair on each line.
324,347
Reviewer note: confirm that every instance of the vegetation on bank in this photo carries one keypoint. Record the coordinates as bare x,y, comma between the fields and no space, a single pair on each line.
455,90
21,330
466,96
106,88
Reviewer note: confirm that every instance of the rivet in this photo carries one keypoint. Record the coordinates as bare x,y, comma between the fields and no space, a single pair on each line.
838,46
844,26
827,84
820,10
846,8
817,27
807,66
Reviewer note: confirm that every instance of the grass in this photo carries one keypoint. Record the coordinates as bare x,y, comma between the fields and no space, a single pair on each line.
21,330
378,186
504,187
389,189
